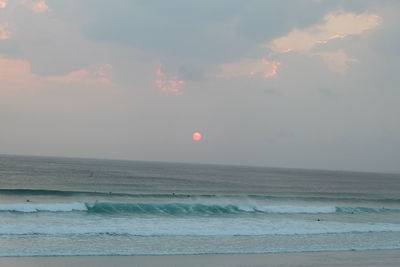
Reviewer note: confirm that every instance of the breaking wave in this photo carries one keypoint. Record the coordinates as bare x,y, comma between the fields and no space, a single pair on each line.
182,209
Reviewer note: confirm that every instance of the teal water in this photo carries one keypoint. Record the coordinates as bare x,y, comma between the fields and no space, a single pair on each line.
60,206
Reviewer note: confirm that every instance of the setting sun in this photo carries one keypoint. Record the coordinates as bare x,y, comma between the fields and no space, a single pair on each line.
196,136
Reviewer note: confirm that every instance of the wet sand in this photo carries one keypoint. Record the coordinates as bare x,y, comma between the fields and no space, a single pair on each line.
388,258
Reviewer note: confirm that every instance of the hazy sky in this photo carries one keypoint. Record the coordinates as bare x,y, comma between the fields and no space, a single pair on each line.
307,83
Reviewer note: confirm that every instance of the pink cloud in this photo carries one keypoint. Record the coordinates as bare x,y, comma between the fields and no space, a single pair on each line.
40,6
16,74
92,75
37,6
336,25
4,32
274,71
169,84
3,3
249,67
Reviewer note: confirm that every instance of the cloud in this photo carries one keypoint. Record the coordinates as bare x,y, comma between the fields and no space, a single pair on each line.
4,32
17,74
168,84
337,61
3,3
336,25
179,29
40,6
249,67
92,75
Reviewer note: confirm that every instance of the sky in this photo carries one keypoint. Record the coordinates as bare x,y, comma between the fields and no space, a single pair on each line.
297,83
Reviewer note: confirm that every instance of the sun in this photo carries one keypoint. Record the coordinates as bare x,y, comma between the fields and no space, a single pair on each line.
196,136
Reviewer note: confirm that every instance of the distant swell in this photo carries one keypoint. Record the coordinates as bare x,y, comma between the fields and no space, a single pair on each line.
66,193
182,209
45,192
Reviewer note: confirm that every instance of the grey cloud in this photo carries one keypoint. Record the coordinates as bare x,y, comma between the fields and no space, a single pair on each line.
213,30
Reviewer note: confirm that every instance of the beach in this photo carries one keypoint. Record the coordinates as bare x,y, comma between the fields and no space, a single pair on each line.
371,258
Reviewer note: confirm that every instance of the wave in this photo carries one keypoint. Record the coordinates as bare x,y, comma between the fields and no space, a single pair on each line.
182,209
202,209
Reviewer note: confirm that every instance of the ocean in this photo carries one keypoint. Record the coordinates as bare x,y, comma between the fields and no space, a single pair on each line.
69,206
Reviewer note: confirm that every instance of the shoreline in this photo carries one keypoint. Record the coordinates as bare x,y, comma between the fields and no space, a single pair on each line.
327,259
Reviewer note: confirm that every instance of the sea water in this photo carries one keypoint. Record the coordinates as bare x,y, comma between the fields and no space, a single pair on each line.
61,206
